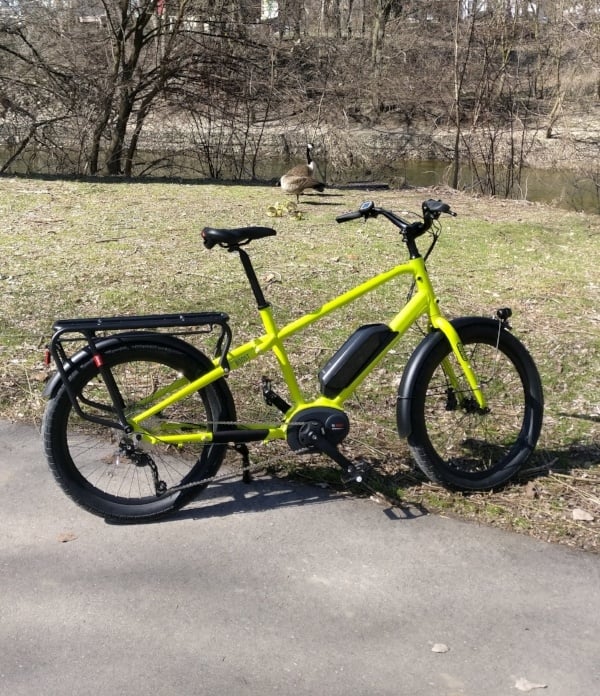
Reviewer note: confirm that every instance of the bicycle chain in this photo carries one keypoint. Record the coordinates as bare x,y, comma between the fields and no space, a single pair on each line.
246,472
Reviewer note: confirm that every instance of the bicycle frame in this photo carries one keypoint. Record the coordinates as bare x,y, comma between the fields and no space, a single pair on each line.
423,302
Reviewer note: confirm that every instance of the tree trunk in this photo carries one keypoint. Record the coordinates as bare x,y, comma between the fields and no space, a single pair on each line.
114,160
460,67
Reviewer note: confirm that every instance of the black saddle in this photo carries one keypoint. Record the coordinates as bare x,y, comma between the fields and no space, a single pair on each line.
235,237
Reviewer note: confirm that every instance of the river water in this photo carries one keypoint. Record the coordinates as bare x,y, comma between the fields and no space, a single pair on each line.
563,188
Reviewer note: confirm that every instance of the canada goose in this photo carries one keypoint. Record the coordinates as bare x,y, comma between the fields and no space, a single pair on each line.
301,177
307,169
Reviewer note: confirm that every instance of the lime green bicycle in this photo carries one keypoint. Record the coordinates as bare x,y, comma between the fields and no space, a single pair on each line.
139,419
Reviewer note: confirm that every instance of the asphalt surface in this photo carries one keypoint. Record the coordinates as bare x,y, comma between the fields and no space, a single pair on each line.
280,588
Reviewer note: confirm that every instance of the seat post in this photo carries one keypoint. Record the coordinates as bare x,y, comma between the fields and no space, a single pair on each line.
252,279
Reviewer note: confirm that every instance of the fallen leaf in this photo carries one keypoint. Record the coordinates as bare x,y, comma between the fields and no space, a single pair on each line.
525,685
66,536
582,515
531,490
440,648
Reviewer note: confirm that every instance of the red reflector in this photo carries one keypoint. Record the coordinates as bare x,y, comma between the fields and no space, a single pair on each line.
98,362
47,358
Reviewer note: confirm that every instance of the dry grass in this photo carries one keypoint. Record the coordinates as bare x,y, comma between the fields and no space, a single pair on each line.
88,249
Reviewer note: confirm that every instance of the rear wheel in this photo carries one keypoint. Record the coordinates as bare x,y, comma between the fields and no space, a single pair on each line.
119,476
451,439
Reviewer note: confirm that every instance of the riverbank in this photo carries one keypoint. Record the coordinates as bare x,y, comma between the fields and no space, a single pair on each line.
561,170
572,141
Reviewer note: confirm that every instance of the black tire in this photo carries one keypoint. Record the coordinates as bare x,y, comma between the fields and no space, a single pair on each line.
452,442
87,458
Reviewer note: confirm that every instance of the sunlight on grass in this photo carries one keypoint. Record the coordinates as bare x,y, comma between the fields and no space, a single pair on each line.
88,249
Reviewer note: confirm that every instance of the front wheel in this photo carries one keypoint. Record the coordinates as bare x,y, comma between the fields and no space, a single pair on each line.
454,442
120,476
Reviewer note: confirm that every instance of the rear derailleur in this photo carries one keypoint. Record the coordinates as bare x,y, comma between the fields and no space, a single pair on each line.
140,458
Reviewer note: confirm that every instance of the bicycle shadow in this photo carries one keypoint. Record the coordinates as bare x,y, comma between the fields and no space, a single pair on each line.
314,484
398,478
571,457
581,416
268,492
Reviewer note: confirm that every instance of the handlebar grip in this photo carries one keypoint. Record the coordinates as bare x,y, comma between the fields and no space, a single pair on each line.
437,207
345,217
208,243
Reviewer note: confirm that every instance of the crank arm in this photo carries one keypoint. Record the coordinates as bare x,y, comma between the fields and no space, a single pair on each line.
352,472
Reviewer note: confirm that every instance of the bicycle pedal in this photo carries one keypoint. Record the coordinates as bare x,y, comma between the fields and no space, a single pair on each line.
271,397
356,473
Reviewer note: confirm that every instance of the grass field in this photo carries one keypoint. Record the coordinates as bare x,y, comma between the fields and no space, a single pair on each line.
86,249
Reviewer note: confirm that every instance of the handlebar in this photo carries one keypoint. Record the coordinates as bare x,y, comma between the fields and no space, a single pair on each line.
411,230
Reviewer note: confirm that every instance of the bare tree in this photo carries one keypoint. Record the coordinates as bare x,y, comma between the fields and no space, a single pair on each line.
103,79
37,93
382,11
463,41
124,86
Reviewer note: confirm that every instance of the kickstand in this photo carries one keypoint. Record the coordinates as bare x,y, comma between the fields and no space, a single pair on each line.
242,449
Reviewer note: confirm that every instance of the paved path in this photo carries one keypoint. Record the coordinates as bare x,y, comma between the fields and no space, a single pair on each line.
278,588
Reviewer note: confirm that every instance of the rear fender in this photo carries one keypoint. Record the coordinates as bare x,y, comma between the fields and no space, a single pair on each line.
416,362
83,356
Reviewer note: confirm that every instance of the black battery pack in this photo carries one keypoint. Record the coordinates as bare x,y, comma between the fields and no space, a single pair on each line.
365,344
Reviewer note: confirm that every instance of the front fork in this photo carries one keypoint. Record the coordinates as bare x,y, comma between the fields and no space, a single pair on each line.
478,401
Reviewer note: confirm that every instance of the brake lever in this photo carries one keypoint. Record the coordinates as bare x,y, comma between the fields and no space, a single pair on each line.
436,208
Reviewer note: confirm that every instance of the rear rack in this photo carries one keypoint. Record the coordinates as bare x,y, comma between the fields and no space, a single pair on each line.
145,321
90,327
93,329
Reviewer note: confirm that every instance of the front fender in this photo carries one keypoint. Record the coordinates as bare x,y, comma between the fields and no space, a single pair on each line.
415,364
